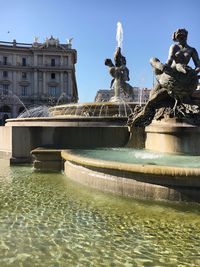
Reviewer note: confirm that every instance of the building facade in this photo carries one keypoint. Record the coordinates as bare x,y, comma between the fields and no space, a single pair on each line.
36,74
139,95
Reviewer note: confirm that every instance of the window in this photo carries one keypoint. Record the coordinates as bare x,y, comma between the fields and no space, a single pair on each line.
23,61
5,60
53,75
53,62
24,75
5,108
5,74
54,91
24,91
5,89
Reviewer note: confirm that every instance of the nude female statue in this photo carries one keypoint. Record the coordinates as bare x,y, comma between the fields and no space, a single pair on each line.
181,53
174,78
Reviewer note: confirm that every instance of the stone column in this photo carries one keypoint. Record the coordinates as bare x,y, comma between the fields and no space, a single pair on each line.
44,83
43,60
14,60
66,84
14,82
35,83
69,61
62,83
61,61
35,60
70,90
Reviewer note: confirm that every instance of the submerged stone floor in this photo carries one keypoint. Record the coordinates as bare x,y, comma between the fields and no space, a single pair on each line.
48,220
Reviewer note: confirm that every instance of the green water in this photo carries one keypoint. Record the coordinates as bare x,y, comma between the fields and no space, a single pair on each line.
139,156
47,220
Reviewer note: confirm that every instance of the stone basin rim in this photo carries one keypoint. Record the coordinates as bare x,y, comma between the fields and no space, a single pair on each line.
68,117
94,104
189,176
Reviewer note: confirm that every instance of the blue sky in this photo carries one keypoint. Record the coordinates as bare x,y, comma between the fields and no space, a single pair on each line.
147,26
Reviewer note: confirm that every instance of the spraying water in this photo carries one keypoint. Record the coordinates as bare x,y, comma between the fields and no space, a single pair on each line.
35,112
119,34
60,97
11,95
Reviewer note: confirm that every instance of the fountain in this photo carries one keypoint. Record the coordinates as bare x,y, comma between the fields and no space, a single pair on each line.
75,125
118,106
49,220
171,114
8,96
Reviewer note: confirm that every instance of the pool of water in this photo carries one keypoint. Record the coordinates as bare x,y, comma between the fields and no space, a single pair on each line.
46,220
140,156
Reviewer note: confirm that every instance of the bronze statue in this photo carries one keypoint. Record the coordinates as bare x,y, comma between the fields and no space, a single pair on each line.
176,81
120,74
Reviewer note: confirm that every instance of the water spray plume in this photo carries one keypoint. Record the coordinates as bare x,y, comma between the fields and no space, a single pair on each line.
119,35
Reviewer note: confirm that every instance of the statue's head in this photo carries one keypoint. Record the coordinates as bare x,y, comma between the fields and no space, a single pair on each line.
119,58
179,34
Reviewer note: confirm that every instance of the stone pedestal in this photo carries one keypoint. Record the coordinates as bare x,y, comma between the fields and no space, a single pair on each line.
172,136
47,159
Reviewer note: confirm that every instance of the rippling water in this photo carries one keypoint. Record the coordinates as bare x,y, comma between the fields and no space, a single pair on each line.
47,220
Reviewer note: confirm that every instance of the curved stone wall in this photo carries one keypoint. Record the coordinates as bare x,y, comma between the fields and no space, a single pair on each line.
135,180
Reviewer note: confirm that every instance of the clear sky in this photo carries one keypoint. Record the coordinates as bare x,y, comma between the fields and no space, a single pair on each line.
147,26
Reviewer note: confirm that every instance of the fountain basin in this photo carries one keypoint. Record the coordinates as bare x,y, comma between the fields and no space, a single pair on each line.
138,180
20,136
94,109
82,125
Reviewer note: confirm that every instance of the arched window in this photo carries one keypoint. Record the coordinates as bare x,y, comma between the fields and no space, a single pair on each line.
5,108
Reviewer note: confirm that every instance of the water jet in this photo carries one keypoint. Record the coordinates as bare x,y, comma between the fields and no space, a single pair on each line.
66,128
